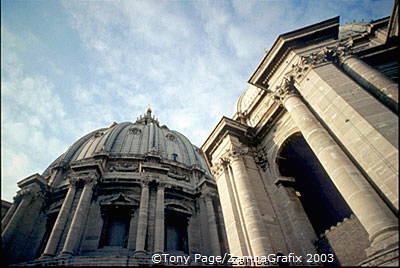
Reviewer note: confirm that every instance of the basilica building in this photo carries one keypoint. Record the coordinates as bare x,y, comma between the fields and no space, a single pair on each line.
307,166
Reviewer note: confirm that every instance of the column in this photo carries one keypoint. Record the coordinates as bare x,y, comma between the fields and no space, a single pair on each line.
10,213
143,215
75,231
159,228
380,85
26,195
252,218
56,232
297,218
132,230
212,227
234,222
373,214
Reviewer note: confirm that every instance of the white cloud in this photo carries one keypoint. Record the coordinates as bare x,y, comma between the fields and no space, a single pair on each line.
188,60
31,108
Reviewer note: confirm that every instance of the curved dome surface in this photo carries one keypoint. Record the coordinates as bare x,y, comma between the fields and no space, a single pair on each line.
135,139
353,29
246,99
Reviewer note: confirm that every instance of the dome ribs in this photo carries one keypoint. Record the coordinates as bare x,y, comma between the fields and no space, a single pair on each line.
75,149
109,143
186,145
136,139
126,139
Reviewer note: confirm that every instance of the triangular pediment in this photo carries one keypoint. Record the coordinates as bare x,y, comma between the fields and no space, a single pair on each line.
119,199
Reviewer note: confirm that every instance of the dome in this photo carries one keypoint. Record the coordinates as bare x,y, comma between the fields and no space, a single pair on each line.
353,29
108,198
246,99
141,138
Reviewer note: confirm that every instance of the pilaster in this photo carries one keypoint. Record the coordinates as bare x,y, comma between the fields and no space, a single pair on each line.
25,196
159,227
143,216
76,228
54,239
212,225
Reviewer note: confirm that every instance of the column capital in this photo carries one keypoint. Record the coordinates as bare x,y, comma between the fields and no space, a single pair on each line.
219,166
235,152
82,178
73,181
285,90
29,193
329,54
24,192
216,170
162,185
144,183
90,180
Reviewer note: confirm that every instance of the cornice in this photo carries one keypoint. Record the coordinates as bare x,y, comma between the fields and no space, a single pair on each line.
88,164
227,126
318,32
36,178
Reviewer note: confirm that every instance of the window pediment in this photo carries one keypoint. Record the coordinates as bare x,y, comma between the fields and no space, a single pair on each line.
119,199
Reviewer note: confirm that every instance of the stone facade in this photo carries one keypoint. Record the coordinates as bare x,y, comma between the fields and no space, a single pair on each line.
308,164
117,196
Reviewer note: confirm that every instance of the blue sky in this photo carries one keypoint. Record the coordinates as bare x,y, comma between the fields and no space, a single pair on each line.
70,67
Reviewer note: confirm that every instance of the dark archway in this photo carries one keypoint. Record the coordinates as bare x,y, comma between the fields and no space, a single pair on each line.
116,226
176,232
321,200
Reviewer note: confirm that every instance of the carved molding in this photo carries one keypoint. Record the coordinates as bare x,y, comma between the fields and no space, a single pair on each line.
24,192
162,185
171,137
178,177
234,153
261,159
145,183
231,154
179,205
98,134
118,200
30,192
90,180
284,90
173,173
82,178
335,54
124,167
135,131
217,169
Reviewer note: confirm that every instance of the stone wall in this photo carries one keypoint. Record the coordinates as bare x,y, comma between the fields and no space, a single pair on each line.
348,239
5,206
